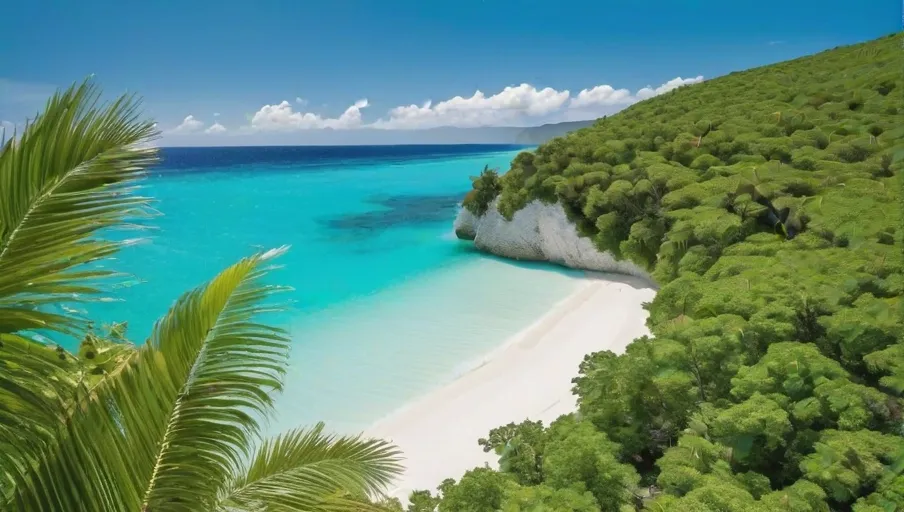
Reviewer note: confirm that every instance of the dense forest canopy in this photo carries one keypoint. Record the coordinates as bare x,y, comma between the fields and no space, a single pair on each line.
767,206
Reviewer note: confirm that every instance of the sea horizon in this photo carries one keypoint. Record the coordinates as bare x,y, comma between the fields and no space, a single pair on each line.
413,144
500,145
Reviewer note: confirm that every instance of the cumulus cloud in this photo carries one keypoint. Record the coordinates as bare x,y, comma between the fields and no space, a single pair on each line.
601,95
215,128
193,125
517,105
283,117
606,95
188,125
606,100
508,106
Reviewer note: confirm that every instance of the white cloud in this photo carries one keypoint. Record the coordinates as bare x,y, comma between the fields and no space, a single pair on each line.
649,92
188,125
606,100
601,95
519,105
283,117
606,95
506,107
215,128
216,114
191,125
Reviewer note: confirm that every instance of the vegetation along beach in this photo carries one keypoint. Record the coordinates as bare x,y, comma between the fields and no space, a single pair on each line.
766,205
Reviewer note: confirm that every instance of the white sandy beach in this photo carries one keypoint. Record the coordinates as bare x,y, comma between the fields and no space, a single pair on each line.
529,376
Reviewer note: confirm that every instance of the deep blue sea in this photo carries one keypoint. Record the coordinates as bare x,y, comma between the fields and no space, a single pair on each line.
387,303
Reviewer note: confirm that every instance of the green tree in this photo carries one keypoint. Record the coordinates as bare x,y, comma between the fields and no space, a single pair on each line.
771,220
520,448
579,456
846,463
479,489
482,490
172,424
422,501
542,498
486,187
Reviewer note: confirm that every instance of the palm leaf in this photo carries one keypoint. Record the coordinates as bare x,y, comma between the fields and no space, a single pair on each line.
35,385
68,175
171,424
305,469
172,427
40,386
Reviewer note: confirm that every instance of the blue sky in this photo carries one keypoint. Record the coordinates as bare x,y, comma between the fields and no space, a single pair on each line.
224,62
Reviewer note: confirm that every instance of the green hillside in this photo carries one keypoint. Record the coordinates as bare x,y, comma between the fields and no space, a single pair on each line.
767,206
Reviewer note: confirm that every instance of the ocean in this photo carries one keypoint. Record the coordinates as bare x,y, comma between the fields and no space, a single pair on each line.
386,304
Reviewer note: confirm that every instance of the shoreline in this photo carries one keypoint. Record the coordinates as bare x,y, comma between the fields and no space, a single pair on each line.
527,376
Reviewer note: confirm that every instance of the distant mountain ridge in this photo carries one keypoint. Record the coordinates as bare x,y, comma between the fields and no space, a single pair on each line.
529,135
543,133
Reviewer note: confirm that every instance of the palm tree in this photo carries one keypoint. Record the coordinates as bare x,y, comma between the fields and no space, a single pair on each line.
175,423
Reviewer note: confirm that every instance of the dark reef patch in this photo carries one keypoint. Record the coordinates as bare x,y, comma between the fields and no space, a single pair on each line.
398,211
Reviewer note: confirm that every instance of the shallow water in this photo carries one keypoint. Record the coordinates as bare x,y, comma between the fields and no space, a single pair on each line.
387,304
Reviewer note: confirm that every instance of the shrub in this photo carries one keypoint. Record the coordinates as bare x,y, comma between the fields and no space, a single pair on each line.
851,152
484,190
704,162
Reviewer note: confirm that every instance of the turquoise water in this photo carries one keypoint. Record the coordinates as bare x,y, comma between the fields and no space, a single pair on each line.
387,304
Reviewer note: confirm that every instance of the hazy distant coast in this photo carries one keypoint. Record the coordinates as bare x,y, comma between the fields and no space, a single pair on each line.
523,135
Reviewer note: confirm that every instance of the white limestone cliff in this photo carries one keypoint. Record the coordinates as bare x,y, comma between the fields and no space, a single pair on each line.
538,232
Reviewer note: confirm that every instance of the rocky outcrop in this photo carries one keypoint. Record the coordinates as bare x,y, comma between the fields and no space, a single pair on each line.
538,232
465,224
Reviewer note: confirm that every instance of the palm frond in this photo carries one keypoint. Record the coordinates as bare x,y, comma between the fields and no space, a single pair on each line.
171,428
70,174
306,469
226,367
35,386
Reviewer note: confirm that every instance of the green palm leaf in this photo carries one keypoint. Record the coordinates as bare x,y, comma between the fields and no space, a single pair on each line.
33,384
305,469
40,386
70,174
224,367
173,426
167,426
